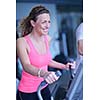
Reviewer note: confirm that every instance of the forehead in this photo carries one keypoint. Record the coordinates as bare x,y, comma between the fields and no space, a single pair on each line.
44,16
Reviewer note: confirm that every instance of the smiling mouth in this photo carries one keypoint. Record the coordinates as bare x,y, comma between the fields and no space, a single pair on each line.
45,30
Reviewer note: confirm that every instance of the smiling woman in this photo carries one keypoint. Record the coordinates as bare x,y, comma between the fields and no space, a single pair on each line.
42,24
34,54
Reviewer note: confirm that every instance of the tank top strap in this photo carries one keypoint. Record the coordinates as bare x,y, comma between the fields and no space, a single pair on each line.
31,45
28,41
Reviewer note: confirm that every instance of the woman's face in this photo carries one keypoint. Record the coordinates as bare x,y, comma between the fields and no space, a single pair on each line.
42,24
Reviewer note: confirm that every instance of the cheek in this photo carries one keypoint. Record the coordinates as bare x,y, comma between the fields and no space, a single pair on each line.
37,26
49,25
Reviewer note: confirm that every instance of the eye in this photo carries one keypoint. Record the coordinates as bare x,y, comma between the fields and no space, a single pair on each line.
44,22
49,21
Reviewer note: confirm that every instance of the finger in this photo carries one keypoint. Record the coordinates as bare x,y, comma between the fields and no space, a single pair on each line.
69,64
73,66
53,77
48,80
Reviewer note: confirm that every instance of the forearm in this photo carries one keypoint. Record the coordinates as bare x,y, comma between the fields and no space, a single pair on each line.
30,69
55,64
34,70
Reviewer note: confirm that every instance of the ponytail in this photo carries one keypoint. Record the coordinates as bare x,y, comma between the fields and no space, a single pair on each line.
25,26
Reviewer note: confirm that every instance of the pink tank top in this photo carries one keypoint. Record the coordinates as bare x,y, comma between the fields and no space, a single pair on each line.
30,83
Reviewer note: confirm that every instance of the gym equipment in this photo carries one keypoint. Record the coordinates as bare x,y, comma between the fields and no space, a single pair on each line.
58,74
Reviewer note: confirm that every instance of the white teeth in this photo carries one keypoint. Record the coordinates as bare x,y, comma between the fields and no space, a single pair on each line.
45,29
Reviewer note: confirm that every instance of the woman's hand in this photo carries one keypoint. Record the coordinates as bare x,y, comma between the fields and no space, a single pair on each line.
70,64
50,77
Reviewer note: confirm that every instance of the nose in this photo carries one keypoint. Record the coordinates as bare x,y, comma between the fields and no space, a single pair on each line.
47,25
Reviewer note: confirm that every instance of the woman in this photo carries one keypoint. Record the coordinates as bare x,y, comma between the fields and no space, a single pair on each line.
33,51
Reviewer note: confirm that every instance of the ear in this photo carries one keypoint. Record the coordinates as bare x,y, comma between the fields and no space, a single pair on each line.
32,23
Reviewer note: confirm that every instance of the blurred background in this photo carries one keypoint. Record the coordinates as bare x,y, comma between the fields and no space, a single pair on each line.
66,15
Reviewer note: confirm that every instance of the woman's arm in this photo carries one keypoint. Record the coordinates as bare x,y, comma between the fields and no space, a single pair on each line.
55,64
58,65
22,51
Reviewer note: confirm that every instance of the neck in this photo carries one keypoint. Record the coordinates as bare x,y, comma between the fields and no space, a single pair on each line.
36,36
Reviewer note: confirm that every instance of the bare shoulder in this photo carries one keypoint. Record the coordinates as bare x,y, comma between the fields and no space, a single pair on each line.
21,42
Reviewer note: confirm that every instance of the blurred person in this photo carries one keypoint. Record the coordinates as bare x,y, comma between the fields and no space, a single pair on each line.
79,35
34,54
79,42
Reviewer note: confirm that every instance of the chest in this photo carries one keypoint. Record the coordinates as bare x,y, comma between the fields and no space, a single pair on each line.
40,47
39,53
39,60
